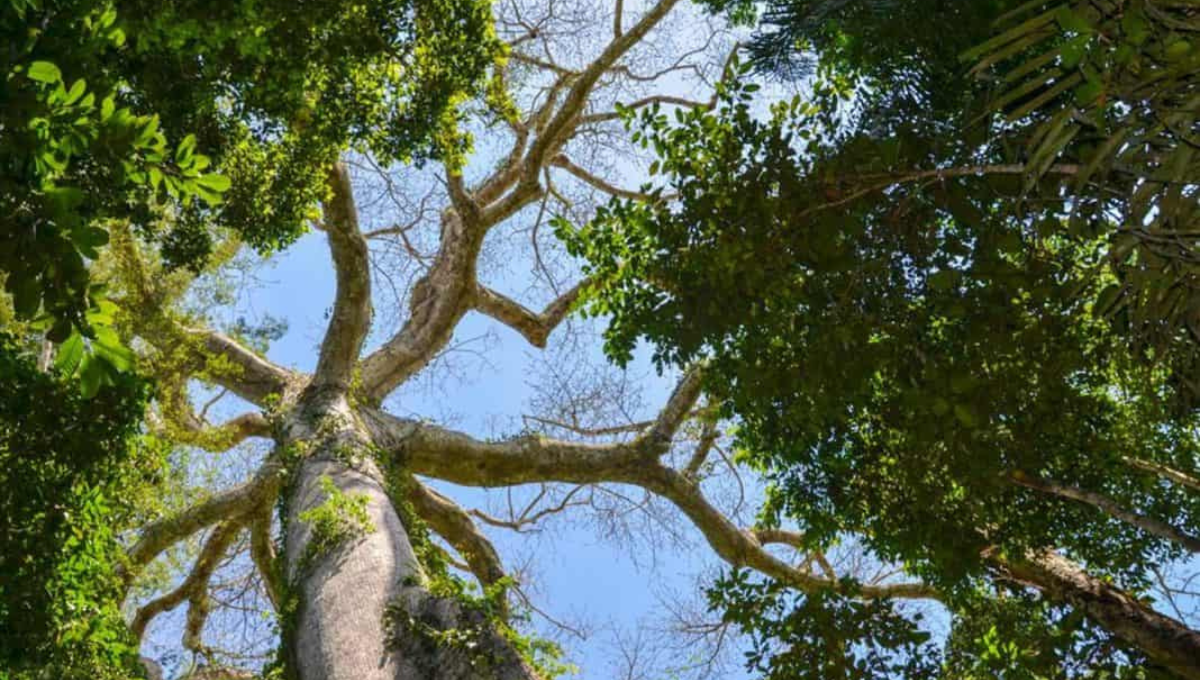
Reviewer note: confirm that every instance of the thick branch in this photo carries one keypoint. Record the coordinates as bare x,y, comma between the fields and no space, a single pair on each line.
455,525
1109,506
230,505
437,452
352,305
1161,637
536,328
238,368
193,588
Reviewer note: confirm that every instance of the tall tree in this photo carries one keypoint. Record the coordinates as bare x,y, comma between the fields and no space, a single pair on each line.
909,307
359,586
176,118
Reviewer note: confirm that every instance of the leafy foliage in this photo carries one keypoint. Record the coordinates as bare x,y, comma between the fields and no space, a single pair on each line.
122,111
75,474
822,636
898,343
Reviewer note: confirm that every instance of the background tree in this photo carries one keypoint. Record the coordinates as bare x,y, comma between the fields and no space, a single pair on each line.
175,117
908,306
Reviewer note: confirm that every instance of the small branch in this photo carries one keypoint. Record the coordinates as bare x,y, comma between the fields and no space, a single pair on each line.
454,524
561,161
592,431
659,99
262,551
1172,474
518,524
536,328
708,437
1108,506
677,408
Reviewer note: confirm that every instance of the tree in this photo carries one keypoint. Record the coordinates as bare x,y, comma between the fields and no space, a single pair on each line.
910,318
160,114
355,577
76,474
361,577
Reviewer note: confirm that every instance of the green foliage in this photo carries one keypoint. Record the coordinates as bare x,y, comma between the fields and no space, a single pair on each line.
339,519
76,155
124,110
1112,89
895,346
75,473
821,636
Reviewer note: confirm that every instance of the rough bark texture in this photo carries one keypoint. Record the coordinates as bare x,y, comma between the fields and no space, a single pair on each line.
1160,637
364,613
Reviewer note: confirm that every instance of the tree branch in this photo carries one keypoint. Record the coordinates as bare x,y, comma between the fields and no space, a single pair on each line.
262,552
454,524
232,505
561,161
437,452
1170,473
193,588
352,305
1109,506
536,328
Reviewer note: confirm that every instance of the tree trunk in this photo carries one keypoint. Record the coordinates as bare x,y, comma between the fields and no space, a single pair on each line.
364,612
1163,639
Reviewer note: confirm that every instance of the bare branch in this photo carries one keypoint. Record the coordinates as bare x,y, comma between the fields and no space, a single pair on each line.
592,431
1109,506
456,457
708,437
561,161
536,328
678,406
352,305
528,517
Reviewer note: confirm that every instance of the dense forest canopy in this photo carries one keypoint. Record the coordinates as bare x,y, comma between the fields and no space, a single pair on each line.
922,274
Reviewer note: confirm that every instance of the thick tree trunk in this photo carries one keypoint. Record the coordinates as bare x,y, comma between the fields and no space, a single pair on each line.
364,612
1163,639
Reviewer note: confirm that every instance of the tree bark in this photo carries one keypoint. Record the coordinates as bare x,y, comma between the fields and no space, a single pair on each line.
1163,639
364,612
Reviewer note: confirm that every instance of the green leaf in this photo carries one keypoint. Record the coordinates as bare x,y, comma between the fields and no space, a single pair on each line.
214,182
184,153
70,353
75,92
91,372
109,346
44,72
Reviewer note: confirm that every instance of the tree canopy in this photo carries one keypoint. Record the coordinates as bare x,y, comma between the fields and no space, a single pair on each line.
931,291
184,119
947,313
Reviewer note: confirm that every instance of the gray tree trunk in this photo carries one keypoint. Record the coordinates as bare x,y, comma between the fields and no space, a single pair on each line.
350,597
